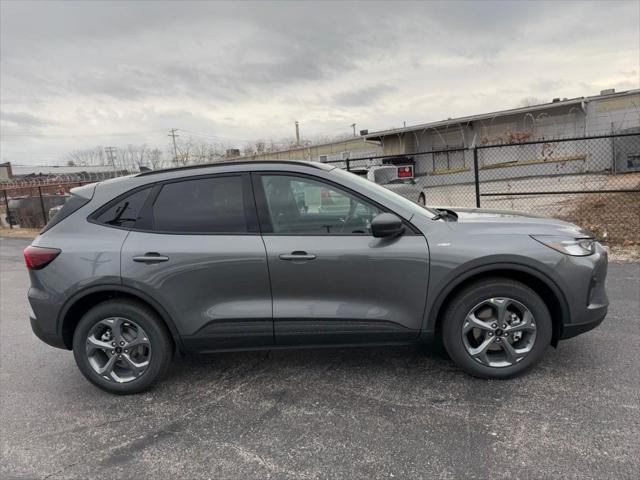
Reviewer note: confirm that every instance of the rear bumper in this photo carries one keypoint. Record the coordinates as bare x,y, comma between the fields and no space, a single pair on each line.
52,339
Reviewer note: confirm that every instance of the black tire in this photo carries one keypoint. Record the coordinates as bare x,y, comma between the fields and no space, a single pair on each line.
473,295
158,336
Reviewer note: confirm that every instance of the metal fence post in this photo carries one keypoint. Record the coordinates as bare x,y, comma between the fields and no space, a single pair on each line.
476,176
44,213
6,208
348,165
613,151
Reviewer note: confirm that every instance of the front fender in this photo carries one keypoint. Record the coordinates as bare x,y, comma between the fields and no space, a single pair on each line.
443,285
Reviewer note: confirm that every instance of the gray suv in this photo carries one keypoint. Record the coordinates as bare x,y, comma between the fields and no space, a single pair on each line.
264,255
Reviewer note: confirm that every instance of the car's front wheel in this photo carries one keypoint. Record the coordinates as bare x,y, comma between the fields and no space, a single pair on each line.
496,328
122,347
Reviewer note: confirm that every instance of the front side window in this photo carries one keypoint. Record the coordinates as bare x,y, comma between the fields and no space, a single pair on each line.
206,205
297,205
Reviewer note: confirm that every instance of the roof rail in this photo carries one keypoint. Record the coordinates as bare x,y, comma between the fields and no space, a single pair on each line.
247,162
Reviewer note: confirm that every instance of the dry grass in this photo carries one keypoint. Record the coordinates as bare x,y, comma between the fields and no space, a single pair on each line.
624,254
613,217
19,232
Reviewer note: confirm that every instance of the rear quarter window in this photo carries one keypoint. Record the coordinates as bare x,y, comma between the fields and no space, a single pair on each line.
73,204
124,211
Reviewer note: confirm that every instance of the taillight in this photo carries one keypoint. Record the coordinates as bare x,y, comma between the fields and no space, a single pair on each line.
405,172
39,257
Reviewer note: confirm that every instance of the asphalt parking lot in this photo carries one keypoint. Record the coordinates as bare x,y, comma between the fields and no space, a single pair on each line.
326,413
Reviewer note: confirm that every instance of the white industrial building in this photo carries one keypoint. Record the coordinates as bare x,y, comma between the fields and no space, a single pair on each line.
606,113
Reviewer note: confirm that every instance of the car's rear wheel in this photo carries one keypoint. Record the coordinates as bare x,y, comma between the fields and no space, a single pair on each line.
122,347
496,328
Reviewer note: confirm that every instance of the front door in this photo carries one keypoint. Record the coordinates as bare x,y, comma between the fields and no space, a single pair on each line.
197,251
331,280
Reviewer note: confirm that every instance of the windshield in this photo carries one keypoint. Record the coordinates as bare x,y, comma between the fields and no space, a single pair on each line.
388,194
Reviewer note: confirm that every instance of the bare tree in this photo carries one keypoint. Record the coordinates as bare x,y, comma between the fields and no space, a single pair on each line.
155,158
185,152
87,157
137,155
201,152
248,150
530,102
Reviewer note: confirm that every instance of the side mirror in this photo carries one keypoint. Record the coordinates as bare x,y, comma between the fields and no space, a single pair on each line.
386,225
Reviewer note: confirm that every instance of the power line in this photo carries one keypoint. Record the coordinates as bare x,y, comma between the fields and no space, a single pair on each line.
110,151
173,135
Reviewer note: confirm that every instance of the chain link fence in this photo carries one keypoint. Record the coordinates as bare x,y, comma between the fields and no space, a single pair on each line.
29,202
591,181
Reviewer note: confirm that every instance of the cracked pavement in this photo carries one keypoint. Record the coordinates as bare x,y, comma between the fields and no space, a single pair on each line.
397,412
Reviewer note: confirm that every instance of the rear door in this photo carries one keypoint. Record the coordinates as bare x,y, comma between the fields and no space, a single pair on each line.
331,280
197,251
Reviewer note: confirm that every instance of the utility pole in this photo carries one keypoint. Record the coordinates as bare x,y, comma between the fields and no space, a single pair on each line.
353,125
112,159
297,134
173,135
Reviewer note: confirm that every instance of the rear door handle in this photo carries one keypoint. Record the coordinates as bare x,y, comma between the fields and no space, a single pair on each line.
297,255
150,257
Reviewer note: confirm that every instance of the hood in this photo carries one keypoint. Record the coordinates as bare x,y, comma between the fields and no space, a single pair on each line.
478,220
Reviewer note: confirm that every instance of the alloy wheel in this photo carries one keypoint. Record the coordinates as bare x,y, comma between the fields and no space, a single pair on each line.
118,349
499,332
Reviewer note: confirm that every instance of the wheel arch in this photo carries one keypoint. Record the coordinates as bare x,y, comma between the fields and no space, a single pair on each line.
542,284
83,301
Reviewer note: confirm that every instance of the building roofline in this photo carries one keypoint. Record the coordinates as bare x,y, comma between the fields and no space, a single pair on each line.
500,113
296,148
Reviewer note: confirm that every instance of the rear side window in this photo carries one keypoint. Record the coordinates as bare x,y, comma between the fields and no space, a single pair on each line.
206,205
73,204
124,212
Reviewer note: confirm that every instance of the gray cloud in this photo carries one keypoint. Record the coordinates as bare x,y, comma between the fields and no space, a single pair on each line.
363,96
23,118
249,69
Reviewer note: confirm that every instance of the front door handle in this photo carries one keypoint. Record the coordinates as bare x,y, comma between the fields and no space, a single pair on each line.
150,257
297,256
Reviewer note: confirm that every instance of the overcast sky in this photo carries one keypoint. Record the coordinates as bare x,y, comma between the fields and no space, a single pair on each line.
80,74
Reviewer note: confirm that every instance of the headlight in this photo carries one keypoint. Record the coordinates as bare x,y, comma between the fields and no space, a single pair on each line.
577,247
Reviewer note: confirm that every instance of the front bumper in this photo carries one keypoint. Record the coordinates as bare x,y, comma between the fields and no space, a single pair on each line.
570,330
590,302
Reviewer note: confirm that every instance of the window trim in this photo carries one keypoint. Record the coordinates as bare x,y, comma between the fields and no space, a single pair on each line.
144,222
264,219
93,216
